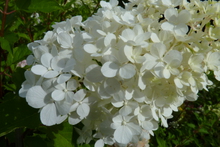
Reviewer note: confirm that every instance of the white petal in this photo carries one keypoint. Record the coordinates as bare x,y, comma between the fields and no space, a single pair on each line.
30,77
154,37
184,16
72,84
167,111
69,65
57,63
48,115
90,48
127,35
109,39
123,135
127,71
111,86
89,85
99,143
24,89
74,118
79,95
63,78
58,95
83,110
158,50
65,40
61,119
170,13
181,29
117,104
178,83
135,129
166,73
74,107
39,69
149,63
93,73
172,55
109,69
46,59
125,110
150,125
51,74
167,26
63,107
128,51
158,69
36,97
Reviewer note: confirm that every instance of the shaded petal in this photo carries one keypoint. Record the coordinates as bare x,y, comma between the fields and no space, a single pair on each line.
99,143
63,78
69,65
109,69
48,115
150,125
51,74
79,95
30,77
83,110
158,50
90,48
72,84
74,118
94,74
127,71
45,59
181,29
109,39
36,97
39,69
123,135
184,16
127,35
65,40
63,107
170,14
167,26
58,95
111,86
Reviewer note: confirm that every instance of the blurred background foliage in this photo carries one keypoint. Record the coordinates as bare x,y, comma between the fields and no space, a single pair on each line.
23,21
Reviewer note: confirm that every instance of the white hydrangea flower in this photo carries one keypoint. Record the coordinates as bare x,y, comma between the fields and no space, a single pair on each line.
123,71
176,21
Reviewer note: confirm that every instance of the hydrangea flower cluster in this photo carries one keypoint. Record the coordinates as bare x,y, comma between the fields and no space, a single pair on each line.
123,71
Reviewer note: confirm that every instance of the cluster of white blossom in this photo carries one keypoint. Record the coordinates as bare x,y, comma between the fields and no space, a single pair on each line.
123,71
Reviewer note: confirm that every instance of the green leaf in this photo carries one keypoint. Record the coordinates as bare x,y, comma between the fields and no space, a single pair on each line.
161,142
45,6
15,113
12,37
22,4
18,78
61,135
191,125
20,53
203,130
23,35
5,44
10,87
